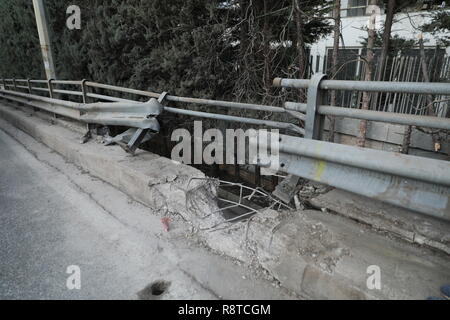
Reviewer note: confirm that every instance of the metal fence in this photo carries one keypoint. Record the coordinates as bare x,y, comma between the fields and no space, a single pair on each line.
403,180
405,67
316,100
408,181
123,114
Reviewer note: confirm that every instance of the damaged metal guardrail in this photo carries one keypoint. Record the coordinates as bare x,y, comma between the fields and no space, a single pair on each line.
127,112
408,181
141,116
132,114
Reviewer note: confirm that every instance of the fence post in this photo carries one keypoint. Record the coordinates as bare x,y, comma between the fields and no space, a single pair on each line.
315,97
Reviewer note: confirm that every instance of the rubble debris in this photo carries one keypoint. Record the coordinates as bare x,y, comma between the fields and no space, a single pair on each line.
240,204
166,221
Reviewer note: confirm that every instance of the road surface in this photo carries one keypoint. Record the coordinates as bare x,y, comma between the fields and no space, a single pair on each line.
56,220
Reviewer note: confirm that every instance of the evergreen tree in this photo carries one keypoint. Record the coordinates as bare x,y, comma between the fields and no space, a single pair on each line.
19,42
204,48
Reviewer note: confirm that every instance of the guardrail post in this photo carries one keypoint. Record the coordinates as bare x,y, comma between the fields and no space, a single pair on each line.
89,126
30,91
136,140
314,121
162,97
50,87
4,83
50,92
84,90
313,124
15,84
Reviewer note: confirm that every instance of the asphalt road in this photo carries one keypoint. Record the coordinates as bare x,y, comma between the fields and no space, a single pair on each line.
53,216
43,233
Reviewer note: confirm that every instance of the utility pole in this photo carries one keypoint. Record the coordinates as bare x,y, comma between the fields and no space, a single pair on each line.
44,38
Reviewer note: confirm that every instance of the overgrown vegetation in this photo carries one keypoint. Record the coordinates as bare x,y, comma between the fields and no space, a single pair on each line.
202,48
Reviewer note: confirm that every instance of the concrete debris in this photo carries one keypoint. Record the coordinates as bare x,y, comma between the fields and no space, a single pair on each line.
166,221
312,189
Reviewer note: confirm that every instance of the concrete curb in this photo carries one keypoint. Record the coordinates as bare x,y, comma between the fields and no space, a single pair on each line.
408,225
147,178
319,255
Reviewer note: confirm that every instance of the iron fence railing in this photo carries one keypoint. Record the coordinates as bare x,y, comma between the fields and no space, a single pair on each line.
322,85
86,95
408,181
403,180
403,67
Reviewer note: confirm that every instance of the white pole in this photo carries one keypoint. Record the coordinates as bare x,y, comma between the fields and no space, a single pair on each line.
44,39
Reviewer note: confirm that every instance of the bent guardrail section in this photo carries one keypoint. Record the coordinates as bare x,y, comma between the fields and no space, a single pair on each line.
408,181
